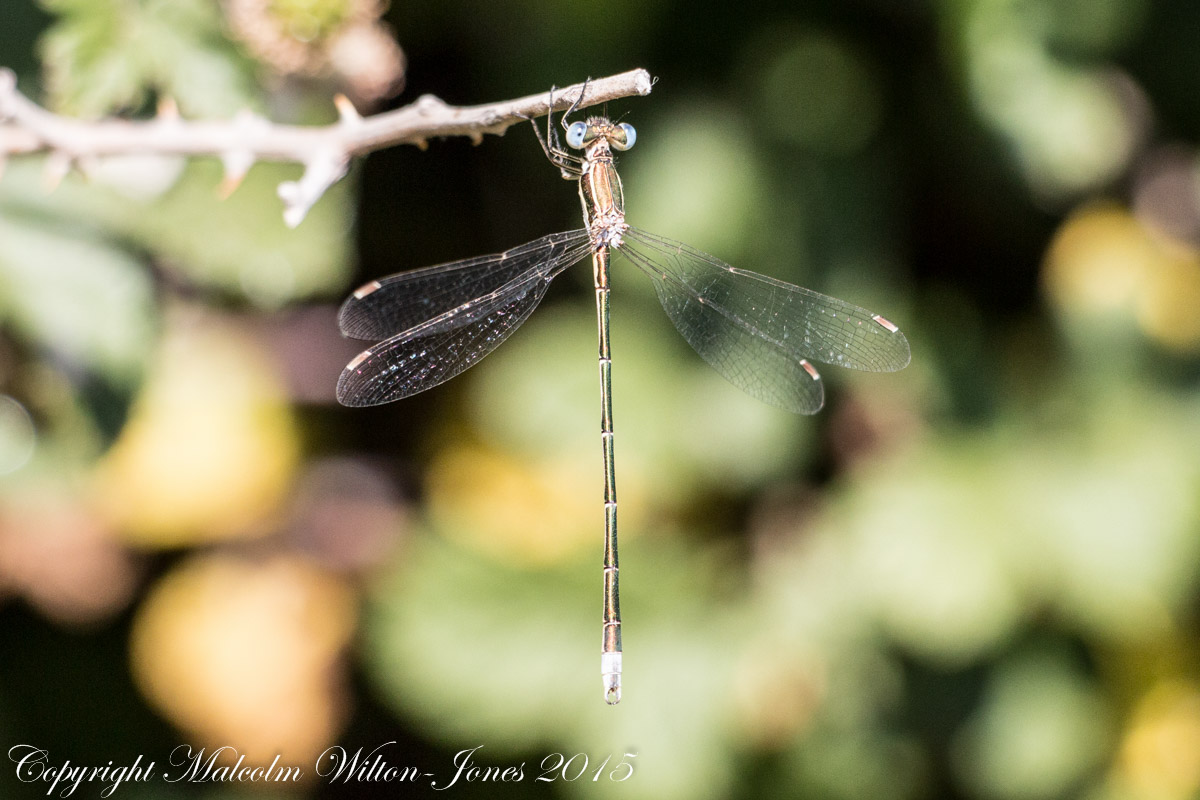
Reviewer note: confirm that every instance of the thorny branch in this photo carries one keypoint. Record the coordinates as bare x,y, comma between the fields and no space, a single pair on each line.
325,151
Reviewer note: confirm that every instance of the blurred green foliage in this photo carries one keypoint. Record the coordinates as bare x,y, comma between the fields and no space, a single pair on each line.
114,55
976,578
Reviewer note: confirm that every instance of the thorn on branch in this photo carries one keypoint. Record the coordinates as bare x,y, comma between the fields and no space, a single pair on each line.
346,111
168,110
430,104
319,174
236,163
58,164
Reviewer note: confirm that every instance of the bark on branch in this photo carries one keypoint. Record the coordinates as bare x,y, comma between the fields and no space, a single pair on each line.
325,151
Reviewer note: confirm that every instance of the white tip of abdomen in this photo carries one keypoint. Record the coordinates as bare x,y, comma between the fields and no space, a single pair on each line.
610,673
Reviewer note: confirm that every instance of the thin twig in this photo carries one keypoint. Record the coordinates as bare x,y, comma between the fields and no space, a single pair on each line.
325,151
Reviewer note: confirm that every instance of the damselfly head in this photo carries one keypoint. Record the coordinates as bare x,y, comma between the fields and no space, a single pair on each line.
581,135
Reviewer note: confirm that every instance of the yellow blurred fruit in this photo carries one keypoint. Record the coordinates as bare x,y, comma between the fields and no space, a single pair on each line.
1160,757
211,446
1099,261
243,653
513,510
1167,312
1105,263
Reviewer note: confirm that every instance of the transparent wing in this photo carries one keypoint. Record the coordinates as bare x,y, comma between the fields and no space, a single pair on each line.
398,302
758,332
440,348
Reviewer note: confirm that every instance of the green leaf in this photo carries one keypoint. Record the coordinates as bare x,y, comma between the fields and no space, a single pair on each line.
238,245
1041,728
77,295
241,244
106,55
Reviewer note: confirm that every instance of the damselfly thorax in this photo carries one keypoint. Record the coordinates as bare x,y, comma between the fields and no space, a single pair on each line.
599,184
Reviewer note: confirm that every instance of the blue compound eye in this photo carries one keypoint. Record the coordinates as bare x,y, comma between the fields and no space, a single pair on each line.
629,139
575,134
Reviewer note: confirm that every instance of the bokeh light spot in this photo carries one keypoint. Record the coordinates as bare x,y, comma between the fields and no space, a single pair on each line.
211,447
241,651
818,93
1160,757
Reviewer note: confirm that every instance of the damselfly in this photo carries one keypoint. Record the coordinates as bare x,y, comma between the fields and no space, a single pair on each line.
760,333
